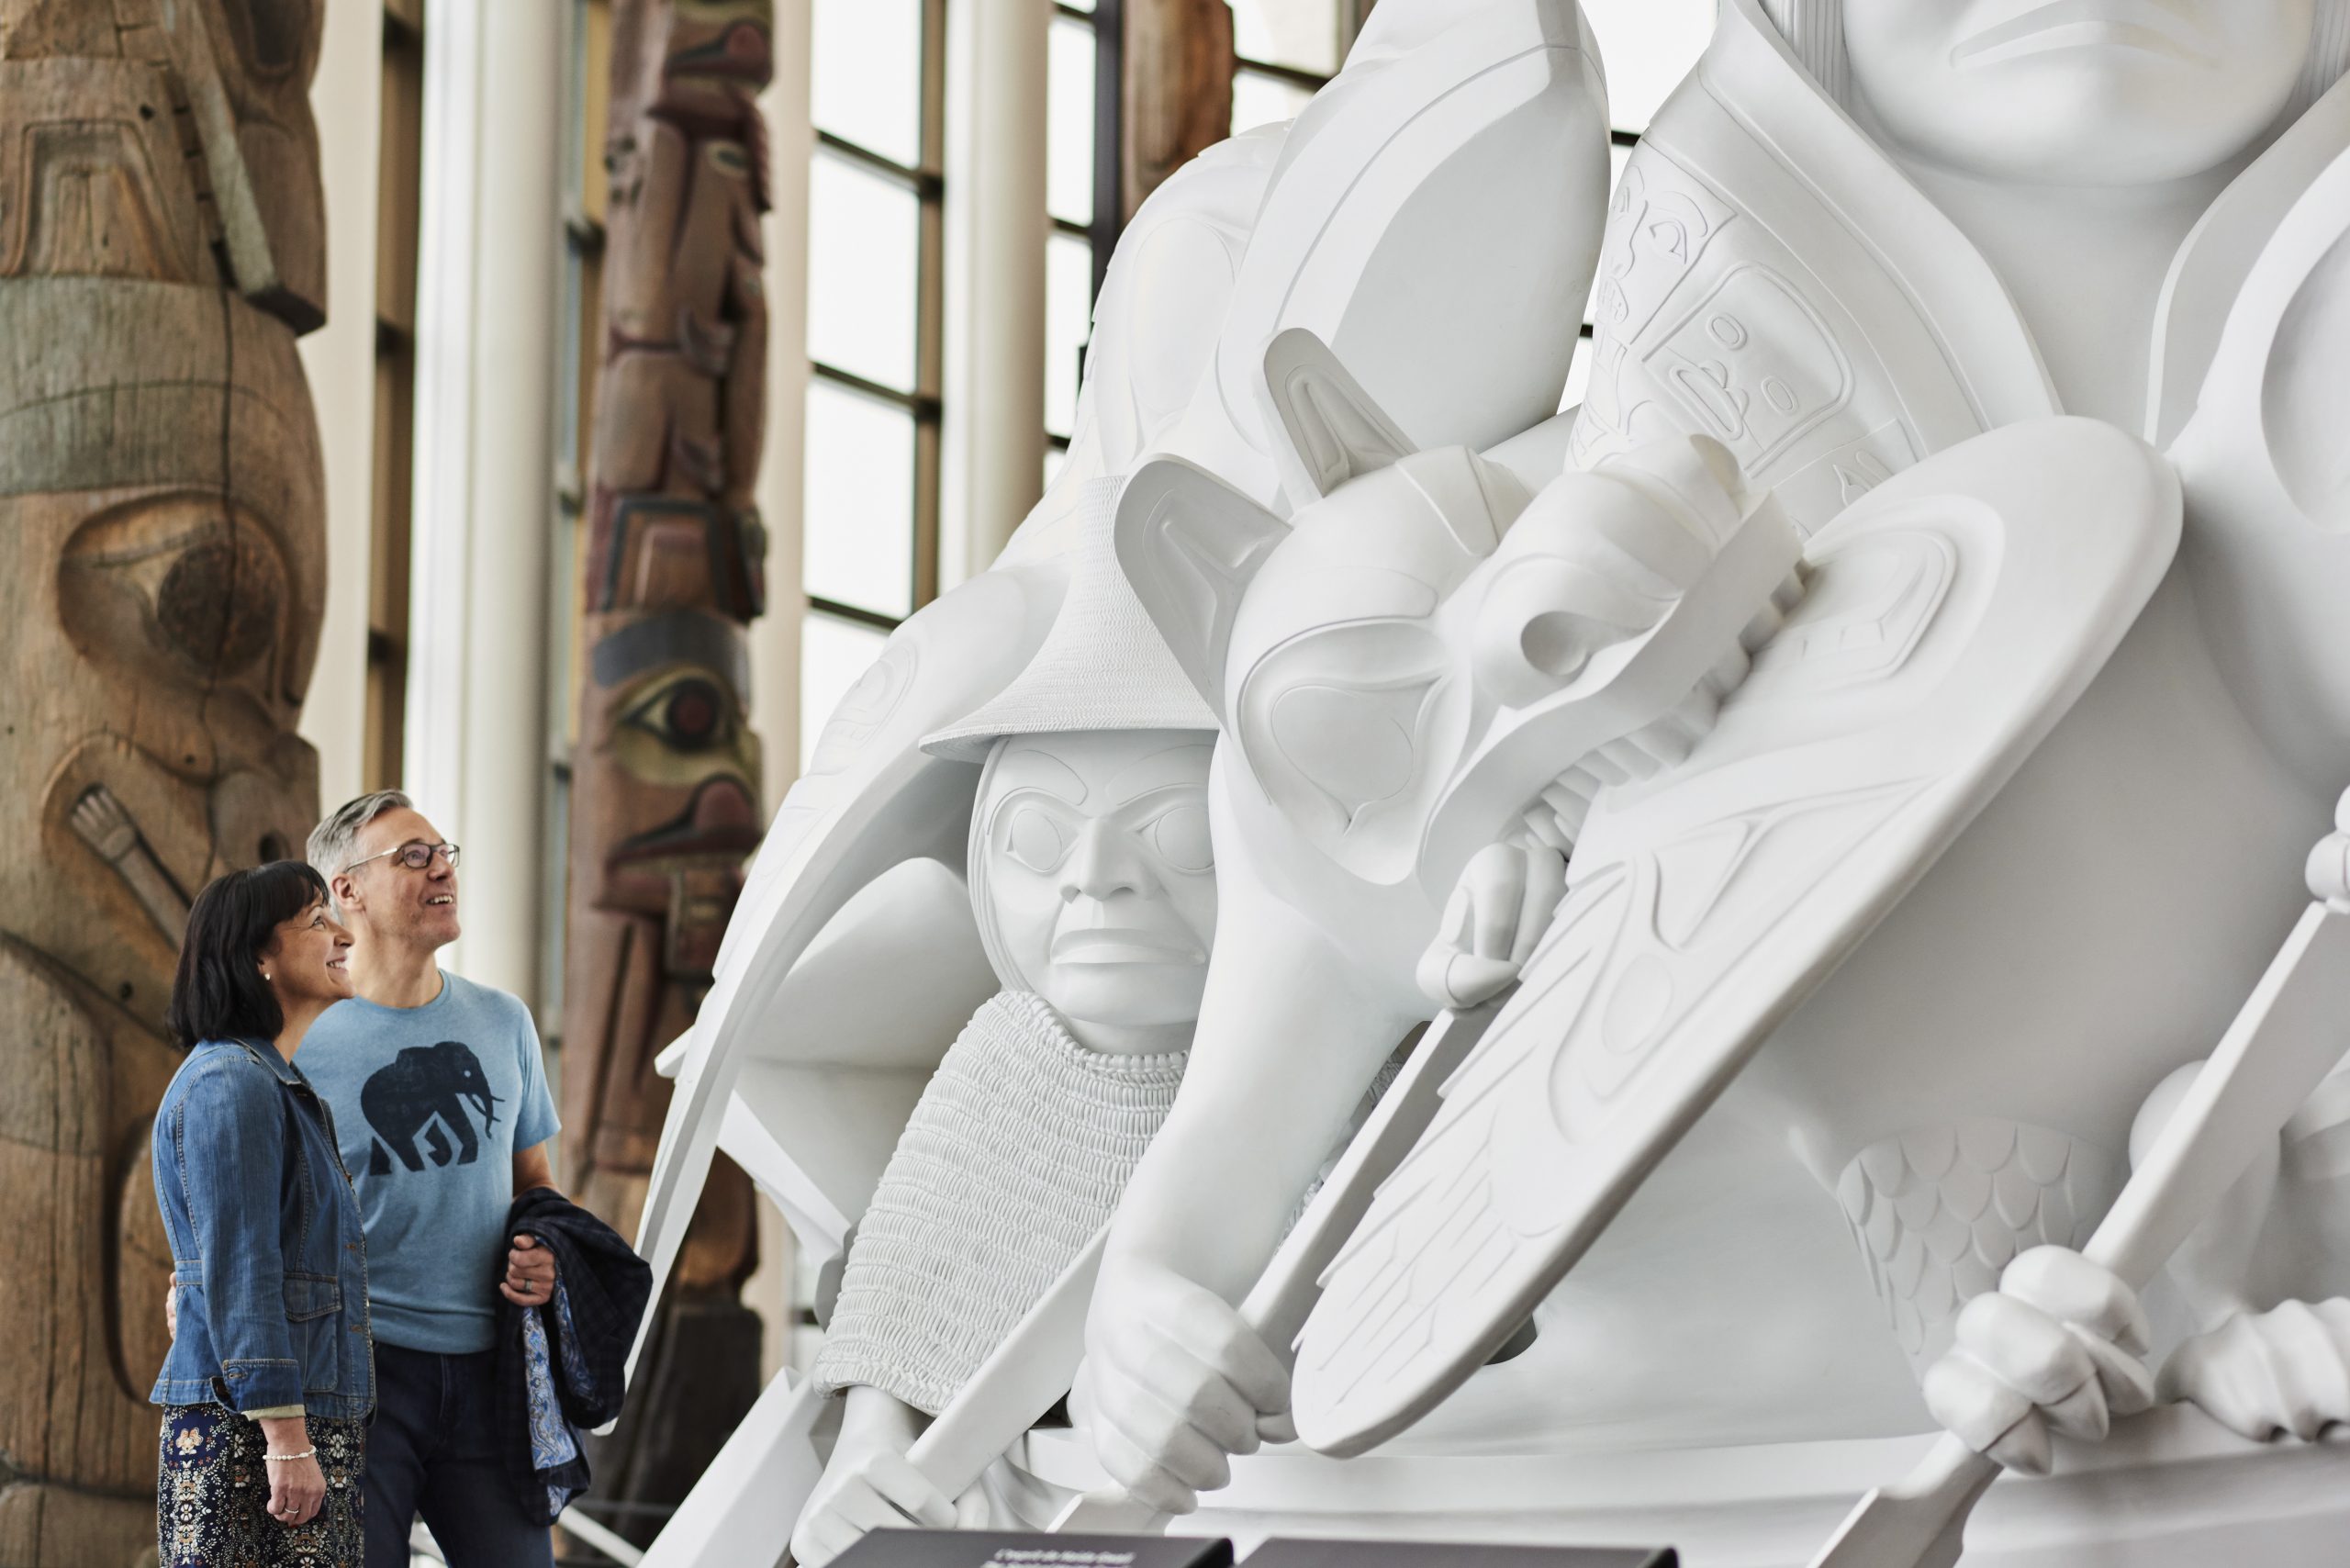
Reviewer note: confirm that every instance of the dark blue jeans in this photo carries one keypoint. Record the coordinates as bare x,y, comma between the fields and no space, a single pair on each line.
433,1450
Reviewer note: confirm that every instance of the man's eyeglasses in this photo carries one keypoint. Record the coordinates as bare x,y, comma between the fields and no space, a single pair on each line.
415,857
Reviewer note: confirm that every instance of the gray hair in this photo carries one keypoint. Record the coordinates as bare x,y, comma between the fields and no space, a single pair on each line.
333,841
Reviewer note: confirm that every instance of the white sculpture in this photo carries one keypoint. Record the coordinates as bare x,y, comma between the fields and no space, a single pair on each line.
1093,884
849,888
1880,924
1965,1081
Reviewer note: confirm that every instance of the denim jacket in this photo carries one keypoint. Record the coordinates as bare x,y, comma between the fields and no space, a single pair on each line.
268,1256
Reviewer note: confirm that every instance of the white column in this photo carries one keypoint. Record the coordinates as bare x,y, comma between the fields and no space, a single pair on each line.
992,439
775,637
340,360
486,292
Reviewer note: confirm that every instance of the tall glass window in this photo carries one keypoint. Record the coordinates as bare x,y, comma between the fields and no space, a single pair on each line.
869,529
1286,49
1649,45
1072,170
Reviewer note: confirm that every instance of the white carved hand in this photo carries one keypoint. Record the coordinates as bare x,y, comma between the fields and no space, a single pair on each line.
104,826
1174,1383
2264,1374
1497,913
868,1484
2058,1346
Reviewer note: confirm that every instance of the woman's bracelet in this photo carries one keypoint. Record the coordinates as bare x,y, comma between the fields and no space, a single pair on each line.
274,1457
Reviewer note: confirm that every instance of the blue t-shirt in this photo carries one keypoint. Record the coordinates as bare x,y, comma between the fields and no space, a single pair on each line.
429,1105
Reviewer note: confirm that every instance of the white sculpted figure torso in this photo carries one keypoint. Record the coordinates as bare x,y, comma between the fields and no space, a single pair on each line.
1966,1083
1094,887
1893,885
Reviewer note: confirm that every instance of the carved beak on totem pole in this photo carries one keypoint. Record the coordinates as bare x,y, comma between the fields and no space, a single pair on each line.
1405,666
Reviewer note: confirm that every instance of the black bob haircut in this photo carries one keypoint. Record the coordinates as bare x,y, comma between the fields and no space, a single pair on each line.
218,993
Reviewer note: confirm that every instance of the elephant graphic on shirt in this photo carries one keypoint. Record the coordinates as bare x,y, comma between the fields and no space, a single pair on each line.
424,1091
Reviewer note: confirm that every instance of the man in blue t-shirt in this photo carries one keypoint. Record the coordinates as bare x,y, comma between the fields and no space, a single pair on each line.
441,1108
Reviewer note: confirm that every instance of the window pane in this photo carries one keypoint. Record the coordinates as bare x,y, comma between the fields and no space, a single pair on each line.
1300,33
1069,121
833,654
1259,99
859,531
1578,376
1649,46
1069,315
866,74
864,250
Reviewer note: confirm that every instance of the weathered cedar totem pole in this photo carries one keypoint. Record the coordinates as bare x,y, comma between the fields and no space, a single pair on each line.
161,521
665,795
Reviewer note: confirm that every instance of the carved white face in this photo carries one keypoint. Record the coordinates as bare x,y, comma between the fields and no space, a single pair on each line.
1093,874
2076,92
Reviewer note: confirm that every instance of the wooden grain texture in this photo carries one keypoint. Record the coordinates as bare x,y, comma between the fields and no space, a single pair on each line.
1178,63
665,805
162,568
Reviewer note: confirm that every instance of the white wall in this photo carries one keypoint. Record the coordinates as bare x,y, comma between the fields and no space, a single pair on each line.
476,746
340,360
775,637
992,438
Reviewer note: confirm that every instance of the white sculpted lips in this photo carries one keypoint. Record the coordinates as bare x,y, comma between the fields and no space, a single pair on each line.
1124,945
2153,26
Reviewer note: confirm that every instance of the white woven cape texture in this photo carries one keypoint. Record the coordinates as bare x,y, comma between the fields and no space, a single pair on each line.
1014,1156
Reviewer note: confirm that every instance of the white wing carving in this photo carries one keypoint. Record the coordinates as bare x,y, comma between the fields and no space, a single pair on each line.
1955,613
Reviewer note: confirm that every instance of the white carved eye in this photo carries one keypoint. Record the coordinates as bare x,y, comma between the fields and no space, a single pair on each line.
1180,837
1352,745
1034,839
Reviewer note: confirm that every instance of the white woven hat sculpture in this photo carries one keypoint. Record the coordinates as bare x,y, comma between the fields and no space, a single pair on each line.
1103,666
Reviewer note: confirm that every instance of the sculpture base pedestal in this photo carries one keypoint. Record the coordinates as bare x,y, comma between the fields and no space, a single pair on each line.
2170,1490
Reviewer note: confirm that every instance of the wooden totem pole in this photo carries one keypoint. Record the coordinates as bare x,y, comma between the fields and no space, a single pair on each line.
1176,63
666,790
162,525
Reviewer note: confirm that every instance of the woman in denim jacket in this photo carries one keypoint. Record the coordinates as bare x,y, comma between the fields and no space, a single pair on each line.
270,1376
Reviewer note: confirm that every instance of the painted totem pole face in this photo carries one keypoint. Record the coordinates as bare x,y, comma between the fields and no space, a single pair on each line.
670,774
1093,874
162,520
2078,92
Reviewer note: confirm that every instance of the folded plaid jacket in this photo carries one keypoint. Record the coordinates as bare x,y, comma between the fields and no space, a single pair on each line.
561,1365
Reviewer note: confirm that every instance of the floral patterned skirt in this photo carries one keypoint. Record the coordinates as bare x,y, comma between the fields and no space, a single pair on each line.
212,1495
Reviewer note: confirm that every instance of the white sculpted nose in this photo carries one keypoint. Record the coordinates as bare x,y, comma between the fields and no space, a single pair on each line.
1103,865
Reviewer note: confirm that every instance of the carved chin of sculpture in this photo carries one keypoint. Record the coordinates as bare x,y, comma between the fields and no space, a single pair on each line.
2069,95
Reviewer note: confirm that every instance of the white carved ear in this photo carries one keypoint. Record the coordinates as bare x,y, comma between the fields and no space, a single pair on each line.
1334,429
1188,544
